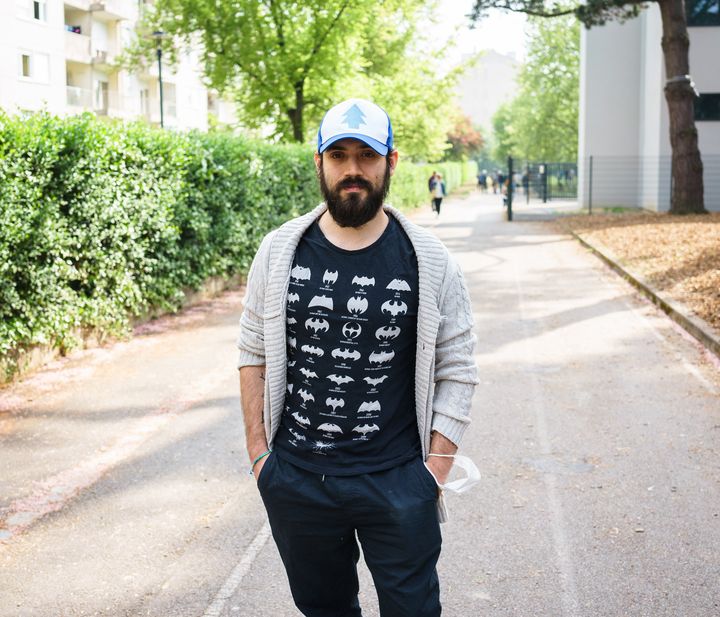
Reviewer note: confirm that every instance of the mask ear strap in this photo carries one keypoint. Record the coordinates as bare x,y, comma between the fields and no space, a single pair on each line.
463,484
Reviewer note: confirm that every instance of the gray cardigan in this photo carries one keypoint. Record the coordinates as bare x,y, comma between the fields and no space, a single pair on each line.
445,371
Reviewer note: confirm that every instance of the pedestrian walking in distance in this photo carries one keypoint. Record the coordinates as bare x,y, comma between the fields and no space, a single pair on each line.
356,376
438,192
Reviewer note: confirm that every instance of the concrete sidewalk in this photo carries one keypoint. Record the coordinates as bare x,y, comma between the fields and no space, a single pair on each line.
596,427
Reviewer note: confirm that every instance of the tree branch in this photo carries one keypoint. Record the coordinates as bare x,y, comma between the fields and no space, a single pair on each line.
319,43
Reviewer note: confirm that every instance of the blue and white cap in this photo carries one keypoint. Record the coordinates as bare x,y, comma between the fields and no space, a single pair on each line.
358,119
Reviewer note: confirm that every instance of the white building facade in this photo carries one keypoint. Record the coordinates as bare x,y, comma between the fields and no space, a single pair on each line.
58,55
487,84
624,144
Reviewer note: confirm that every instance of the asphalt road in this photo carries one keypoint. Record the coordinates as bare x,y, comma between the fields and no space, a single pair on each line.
124,487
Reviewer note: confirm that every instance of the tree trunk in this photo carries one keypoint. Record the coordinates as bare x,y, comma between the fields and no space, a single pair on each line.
296,114
687,168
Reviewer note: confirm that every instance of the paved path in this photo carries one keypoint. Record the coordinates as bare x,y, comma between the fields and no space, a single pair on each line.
123,485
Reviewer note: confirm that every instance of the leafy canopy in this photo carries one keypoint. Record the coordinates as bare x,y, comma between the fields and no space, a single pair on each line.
286,62
541,122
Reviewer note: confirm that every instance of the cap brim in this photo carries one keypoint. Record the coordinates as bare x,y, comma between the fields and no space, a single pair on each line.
380,148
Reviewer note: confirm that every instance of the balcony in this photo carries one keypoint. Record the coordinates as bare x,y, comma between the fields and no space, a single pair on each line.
79,98
77,47
108,10
103,59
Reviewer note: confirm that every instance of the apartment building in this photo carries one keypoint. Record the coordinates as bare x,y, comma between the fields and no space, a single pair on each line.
58,55
624,123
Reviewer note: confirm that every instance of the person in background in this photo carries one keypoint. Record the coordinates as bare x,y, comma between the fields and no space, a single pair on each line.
438,192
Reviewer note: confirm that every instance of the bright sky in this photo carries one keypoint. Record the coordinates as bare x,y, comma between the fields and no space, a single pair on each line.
502,31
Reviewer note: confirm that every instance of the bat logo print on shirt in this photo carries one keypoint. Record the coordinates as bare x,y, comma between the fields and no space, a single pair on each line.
290,387
317,325
308,373
320,446
302,420
375,381
340,379
380,357
305,395
330,428
311,349
394,308
297,435
398,285
346,354
351,329
293,297
292,341
330,278
323,301
300,274
334,403
291,321
387,333
357,305
369,406
364,429
363,281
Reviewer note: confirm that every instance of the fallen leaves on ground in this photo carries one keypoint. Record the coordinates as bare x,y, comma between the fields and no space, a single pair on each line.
678,256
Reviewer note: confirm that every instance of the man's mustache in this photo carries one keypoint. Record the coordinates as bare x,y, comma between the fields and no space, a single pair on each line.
361,182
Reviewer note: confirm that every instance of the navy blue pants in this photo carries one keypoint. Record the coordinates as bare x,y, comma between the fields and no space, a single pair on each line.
317,521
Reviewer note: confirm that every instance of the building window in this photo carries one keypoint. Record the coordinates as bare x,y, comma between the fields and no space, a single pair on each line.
39,10
25,65
703,12
707,107
34,67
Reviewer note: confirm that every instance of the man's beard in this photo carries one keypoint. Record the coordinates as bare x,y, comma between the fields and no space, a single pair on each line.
354,210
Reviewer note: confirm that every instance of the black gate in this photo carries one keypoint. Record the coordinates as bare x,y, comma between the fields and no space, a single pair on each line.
544,181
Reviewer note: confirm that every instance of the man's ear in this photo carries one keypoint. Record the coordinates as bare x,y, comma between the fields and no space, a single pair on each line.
318,160
393,160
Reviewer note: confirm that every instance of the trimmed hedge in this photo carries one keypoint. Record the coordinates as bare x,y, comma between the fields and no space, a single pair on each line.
102,221
409,187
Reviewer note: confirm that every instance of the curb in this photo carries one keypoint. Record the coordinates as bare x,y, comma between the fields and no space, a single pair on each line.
681,315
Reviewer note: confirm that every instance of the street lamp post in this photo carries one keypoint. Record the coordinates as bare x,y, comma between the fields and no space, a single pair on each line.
158,35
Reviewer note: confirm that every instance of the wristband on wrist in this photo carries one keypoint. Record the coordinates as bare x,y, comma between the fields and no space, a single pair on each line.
259,458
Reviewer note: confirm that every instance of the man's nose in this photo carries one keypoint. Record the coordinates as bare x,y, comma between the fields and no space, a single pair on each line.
353,167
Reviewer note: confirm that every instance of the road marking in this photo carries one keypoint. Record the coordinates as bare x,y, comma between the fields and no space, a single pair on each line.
569,596
239,571
54,493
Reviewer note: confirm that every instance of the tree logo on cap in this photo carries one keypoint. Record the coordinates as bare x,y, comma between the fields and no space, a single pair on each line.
354,117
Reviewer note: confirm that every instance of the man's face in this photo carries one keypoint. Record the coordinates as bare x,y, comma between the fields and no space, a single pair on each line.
354,180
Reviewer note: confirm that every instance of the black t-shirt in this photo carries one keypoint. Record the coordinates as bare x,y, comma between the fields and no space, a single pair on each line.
351,333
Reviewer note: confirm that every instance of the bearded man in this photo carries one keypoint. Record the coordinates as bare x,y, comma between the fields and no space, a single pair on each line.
356,376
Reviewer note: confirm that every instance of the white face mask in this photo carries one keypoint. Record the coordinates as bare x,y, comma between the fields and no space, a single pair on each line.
462,484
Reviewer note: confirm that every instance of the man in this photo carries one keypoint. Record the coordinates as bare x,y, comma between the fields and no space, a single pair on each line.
356,372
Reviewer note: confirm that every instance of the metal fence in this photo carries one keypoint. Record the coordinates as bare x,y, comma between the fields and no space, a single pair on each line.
639,182
602,182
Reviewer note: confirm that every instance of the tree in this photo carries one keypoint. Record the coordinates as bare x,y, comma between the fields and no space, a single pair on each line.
278,58
465,140
687,169
286,62
541,122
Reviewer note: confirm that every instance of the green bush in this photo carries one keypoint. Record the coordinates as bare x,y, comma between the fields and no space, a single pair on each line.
101,221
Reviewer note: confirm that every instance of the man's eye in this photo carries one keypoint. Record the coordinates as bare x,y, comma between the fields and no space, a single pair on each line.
369,154
336,155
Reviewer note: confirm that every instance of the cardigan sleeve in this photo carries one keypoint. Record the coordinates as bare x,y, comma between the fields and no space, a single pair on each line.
455,369
251,341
